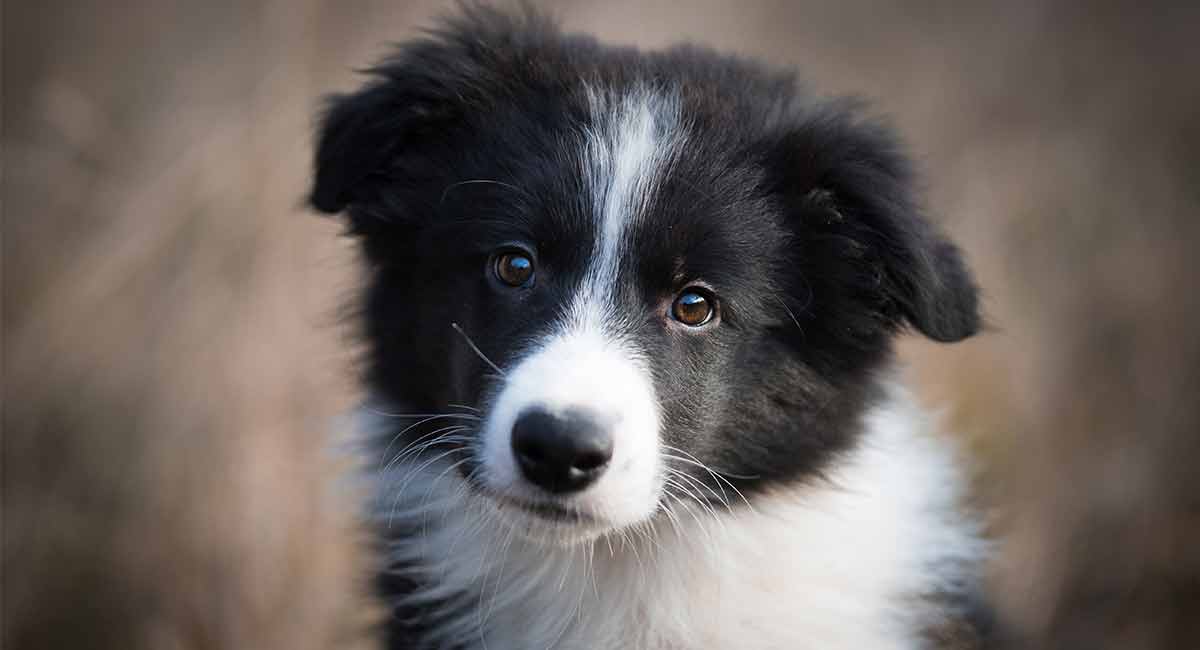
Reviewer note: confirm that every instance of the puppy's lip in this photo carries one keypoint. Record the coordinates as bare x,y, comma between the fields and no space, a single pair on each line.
543,509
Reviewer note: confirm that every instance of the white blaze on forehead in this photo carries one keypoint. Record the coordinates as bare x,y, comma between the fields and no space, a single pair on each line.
627,151
587,363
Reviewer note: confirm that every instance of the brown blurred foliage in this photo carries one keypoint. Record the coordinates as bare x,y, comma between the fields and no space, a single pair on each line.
173,365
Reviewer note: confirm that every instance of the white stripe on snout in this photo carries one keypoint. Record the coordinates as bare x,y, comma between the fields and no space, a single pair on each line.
587,363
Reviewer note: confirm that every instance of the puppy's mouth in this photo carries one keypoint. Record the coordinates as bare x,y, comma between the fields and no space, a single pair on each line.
543,509
546,510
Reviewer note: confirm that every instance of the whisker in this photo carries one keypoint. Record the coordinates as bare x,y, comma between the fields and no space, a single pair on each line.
722,497
591,568
701,485
795,320
409,428
386,414
415,473
720,472
699,523
716,475
697,496
636,556
412,446
429,495
478,181
476,348
451,437
670,513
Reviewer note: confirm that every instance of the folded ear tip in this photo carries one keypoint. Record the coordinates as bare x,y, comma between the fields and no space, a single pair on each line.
951,314
354,137
946,308
950,325
326,200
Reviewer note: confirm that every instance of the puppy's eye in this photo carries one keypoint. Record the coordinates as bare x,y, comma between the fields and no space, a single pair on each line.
694,307
514,269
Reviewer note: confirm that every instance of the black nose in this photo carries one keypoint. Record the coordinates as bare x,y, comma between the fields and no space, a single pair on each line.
561,453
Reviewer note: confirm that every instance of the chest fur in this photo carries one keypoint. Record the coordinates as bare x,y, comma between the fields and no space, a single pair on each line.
849,562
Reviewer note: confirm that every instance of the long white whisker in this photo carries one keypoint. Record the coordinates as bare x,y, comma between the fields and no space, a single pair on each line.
447,439
591,568
704,530
476,348
673,498
719,472
670,514
424,437
389,414
696,498
716,475
429,495
418,445
722,497
703,487
405,430
416,472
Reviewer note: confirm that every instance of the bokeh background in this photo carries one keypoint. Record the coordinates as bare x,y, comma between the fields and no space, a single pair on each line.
174,361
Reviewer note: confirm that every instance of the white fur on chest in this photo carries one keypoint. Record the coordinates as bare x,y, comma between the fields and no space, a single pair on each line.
838,564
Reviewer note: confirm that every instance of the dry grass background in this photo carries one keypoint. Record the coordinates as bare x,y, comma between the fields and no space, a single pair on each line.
172,361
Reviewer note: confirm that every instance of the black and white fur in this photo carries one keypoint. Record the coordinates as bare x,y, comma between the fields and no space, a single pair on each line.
770,483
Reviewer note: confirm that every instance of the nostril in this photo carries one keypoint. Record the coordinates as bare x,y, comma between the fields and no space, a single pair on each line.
531,454
592,460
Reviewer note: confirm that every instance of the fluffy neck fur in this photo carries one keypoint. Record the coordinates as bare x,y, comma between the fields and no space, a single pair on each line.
855,560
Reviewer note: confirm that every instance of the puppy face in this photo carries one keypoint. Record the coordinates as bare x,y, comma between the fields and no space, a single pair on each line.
654,276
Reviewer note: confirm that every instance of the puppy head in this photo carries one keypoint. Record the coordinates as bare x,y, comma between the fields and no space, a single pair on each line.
655,276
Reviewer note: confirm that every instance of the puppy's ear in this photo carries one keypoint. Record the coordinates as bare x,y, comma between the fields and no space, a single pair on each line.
357,135
849,191
417,97
363,134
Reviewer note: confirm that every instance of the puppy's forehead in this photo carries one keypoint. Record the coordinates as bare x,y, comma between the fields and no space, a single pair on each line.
628,147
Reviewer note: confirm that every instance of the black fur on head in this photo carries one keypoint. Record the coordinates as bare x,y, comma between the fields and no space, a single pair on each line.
799,213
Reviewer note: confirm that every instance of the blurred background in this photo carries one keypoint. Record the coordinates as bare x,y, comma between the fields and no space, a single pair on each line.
174,360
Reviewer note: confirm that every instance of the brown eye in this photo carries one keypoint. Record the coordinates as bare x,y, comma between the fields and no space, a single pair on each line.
693,308
514,269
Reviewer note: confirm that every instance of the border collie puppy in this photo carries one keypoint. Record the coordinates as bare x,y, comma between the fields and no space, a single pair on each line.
630,319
